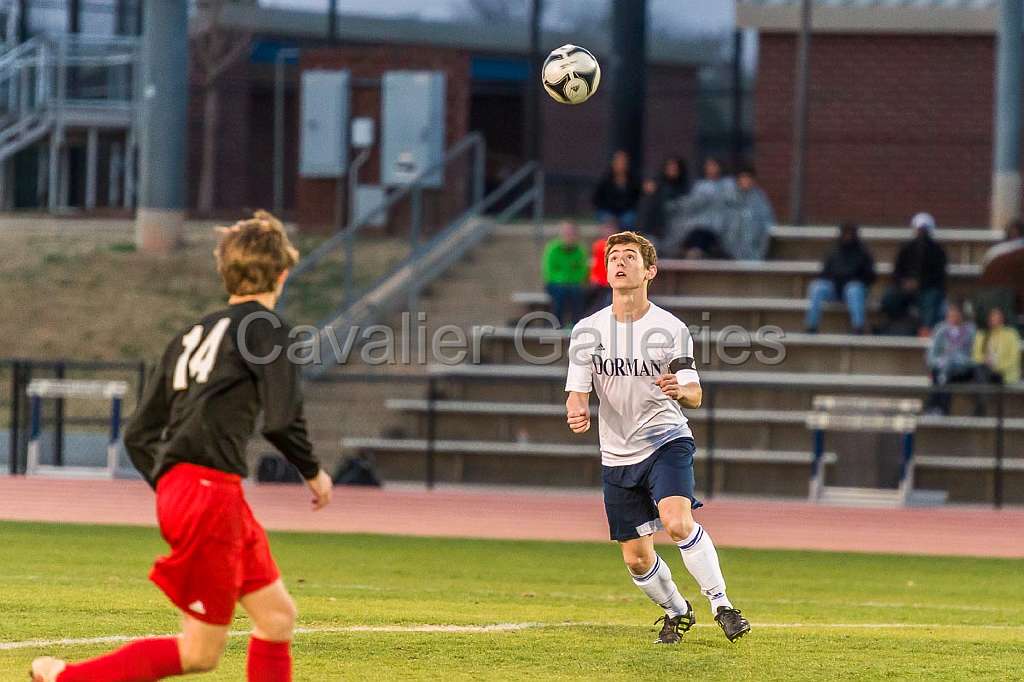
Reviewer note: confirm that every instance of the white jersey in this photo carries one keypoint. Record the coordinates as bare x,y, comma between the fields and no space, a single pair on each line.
620,361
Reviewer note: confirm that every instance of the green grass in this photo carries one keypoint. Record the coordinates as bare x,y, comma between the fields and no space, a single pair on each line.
87,581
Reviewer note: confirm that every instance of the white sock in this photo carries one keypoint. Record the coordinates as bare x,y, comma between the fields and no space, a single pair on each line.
701,561
657,584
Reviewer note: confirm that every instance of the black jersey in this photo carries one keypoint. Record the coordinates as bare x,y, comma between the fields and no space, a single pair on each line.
201,402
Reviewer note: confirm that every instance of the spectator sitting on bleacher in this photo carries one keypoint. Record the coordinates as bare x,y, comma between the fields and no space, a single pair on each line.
650,213
996,354
747,235
949,356
600,293
617,194
1012,241
1002,278
698,221
848,272
565,269
918,283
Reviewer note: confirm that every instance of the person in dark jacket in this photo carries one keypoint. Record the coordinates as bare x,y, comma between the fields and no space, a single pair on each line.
652,212
618,193
848,272
914,301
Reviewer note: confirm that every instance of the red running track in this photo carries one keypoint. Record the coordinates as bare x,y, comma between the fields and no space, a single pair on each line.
516,514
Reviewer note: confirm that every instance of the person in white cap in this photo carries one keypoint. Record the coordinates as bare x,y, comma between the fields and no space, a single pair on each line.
918,282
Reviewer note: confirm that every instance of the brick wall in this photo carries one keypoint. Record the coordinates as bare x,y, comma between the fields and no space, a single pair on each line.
315,198
898,124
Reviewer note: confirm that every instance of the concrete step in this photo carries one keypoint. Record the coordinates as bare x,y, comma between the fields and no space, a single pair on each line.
812,243
783,279
755,349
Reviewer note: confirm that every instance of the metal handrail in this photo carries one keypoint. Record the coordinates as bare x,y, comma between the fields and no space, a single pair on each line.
423,267
473,139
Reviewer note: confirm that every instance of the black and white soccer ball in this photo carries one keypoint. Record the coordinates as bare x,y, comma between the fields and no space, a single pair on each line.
571,74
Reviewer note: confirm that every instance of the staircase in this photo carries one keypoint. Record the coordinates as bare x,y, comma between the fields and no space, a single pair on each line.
53,88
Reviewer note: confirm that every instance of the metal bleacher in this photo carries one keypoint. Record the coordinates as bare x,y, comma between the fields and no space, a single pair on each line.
486,417
62,90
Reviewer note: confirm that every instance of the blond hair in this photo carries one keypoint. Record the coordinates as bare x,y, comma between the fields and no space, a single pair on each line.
252,254
647,251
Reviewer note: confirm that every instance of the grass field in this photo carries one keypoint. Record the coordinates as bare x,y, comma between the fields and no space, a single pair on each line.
815,615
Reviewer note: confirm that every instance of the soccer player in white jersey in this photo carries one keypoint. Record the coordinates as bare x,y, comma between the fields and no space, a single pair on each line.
639,359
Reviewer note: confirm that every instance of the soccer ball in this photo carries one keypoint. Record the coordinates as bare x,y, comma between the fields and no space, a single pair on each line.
571,74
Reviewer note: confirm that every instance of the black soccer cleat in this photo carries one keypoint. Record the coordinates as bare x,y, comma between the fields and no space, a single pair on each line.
732,622
673,627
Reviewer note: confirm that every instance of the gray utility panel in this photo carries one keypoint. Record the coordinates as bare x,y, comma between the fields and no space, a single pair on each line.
325,111
412,130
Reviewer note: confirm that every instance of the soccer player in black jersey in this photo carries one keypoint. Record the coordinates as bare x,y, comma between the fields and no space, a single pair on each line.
188,438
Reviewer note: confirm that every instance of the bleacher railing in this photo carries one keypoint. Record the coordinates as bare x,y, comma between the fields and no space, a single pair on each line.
431,386
352,261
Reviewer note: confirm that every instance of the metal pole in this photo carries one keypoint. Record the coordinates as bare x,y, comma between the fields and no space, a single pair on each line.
58,422
538,208
92,156
349,278
534,127
163,126
353,183
332,22
737,100
997,480
416,225
800,115
14,426
711,441
817,466
479,158
1006,184
629,78
431,428
278,134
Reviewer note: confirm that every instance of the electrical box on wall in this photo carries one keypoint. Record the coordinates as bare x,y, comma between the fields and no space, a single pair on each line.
412,128
325,112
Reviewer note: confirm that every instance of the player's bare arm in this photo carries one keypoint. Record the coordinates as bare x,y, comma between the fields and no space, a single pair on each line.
577,409
688,395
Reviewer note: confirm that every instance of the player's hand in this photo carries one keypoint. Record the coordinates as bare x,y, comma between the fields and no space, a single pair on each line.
579,420
669,385
322,487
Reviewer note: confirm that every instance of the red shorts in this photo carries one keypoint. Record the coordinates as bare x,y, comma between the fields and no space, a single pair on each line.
219,552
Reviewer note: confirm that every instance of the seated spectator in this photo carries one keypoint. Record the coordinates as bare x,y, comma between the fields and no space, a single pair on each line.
913,303
748,234
675,179
996,354
672,184
600,294
1012,241
707,211
617,194
949,356
565,270
650,212
848,272
1002,278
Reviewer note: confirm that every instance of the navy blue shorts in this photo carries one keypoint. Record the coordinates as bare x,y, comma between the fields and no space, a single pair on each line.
632,492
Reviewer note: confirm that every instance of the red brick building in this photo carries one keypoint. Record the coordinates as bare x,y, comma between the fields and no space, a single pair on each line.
487,79
901,108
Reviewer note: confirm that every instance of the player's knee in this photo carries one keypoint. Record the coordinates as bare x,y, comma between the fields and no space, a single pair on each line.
639,564
678,528
199,659
279,625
